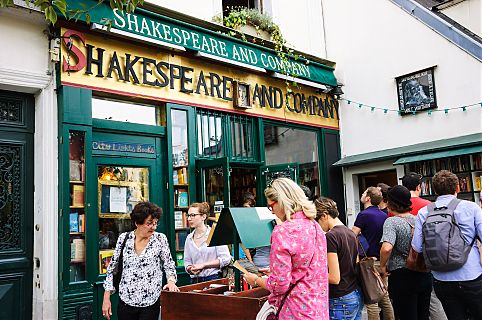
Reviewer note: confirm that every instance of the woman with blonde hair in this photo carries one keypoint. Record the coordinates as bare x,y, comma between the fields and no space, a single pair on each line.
201,262
299,275
346,301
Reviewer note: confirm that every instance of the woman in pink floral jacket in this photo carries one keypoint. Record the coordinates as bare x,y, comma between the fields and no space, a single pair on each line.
298,256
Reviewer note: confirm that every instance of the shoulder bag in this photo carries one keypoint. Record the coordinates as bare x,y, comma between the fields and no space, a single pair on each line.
371,282
117,272
272,313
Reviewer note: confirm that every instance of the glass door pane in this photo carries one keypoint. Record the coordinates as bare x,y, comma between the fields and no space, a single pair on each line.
119,190
77,205
214,183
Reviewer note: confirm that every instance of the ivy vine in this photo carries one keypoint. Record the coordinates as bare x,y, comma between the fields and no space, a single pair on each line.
241,16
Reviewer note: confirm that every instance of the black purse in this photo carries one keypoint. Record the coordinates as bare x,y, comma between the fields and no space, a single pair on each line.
117,272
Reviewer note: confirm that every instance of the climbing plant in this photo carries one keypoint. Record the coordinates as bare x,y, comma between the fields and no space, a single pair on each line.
51,7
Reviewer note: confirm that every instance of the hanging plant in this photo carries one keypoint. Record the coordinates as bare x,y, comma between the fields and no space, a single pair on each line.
240,17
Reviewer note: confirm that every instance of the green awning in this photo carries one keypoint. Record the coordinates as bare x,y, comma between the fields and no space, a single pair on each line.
414,150
439,154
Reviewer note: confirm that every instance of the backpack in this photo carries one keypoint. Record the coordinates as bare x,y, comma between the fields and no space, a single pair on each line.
444,247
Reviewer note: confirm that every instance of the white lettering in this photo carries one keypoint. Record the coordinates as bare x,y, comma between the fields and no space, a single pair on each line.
155,29
145,26
177,36
222,45
252,56
186,36
263,61
132,21
167,32
205,45
195,40
119,21
236,55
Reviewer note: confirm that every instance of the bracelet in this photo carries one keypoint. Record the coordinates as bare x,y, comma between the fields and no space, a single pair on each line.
255,284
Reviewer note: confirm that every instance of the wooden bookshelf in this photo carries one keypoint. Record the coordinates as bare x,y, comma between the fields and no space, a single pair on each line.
468,169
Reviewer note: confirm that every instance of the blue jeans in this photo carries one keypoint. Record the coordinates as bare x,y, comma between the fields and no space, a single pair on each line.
204,279
347,307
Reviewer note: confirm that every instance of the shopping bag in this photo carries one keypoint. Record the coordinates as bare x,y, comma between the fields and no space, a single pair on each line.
371,282
415,261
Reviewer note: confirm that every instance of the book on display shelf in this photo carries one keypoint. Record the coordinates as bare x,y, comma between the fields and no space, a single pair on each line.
74,222
105,256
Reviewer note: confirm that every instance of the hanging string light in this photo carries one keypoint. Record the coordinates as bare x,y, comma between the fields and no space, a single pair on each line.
413,112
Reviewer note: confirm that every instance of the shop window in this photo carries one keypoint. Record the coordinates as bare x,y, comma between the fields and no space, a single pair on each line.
209,133
113,110
291,145
119,190
77,212
228,5
242,135
180,178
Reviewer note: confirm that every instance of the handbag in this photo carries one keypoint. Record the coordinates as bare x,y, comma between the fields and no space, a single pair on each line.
268,311
117,272
415,261
371,282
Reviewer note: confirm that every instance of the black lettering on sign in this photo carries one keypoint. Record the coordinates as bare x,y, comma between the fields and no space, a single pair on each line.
165,78
185,79
129,71
115,65
201,82
97,62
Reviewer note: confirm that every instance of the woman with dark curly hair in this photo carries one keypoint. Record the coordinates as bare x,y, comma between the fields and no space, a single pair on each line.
409,290
146,254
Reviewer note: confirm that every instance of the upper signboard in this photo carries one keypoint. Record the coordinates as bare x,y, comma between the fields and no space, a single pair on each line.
161,28
95,62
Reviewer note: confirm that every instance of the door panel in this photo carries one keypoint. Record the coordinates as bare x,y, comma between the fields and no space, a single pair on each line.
16,221
270,173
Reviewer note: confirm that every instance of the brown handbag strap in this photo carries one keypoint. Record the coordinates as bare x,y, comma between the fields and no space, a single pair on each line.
293,285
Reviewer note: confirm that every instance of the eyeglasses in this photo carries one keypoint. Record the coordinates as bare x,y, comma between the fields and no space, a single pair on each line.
192,215
270,206
153,223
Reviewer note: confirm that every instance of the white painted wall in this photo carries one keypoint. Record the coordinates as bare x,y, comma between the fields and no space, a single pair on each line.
201,9
468,13
300,23
25,67
373,44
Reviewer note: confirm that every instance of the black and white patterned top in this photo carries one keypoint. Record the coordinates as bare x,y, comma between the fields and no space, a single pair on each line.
141,281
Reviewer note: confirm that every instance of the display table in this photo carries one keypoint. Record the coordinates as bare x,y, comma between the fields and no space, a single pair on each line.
201,302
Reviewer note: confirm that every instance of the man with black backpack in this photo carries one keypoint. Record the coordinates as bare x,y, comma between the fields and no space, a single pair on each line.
445,231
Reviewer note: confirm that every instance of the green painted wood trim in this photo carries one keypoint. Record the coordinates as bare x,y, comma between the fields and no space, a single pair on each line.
265,58
64,205
140,129
75,105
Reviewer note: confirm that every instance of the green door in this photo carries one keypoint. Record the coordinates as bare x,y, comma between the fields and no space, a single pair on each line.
270,173
120,183
16,205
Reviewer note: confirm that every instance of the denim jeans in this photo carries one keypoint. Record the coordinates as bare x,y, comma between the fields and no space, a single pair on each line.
460,298
347,307
204,279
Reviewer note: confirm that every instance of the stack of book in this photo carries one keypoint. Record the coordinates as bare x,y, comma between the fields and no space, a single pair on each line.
77,250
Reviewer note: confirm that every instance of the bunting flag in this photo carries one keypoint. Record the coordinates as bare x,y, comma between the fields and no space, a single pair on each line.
386,110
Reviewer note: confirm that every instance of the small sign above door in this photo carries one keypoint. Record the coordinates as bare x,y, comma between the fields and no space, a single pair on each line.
123,147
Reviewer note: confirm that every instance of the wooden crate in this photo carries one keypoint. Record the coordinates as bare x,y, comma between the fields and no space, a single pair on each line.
210,304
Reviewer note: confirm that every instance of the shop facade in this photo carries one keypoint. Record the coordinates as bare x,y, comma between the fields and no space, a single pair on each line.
169,122
28,168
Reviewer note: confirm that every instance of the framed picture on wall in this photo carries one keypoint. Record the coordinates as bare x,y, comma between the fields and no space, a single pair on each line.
241,96
416,91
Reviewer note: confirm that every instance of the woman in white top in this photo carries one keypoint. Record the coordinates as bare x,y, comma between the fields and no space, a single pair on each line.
202,263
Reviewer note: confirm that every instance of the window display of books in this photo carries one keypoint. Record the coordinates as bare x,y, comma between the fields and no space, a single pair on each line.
76,217
468,169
